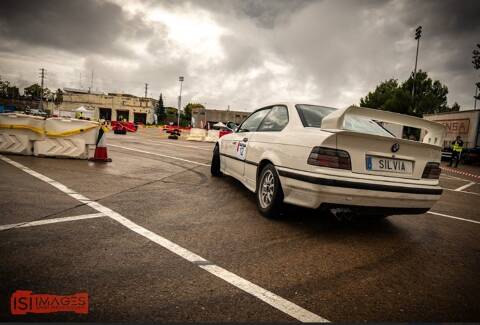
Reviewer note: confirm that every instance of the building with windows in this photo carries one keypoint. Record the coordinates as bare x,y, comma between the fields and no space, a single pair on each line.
108,106
202,116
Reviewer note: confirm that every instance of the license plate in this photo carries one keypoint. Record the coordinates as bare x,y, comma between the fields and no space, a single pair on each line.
389,165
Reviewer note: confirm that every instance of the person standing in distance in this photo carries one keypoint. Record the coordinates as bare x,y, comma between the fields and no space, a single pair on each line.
457,148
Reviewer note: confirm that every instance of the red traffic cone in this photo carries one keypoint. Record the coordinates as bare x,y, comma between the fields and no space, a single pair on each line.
101,154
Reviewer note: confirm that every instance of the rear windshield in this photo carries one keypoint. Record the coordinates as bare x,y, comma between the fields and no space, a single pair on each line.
312,116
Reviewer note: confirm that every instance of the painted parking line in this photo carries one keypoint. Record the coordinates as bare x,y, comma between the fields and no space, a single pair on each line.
454,177
50,221
452,217
175,144
160,155
266,296
203,146
461,188
146,141
466,192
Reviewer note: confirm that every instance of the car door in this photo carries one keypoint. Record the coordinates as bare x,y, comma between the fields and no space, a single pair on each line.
268,137
236,147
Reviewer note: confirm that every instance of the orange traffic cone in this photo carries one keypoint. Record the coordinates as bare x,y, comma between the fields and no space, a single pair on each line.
101,154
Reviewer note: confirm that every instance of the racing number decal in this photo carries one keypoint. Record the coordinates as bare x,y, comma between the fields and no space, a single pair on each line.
241,149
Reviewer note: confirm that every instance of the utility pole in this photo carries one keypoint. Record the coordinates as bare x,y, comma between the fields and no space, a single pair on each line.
42,78
476,95
146,90
179,101
91,84
418,34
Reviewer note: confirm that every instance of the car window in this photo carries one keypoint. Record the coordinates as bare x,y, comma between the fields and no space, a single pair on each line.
364,125
276,120
312,116
253,121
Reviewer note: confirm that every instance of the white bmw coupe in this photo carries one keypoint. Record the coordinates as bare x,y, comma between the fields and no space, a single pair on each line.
342,160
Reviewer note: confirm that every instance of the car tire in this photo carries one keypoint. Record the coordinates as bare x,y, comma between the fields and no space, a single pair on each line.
269,194
215,166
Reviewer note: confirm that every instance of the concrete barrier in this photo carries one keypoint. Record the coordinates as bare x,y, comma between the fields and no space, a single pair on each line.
70,138
212,136
18,132
197,134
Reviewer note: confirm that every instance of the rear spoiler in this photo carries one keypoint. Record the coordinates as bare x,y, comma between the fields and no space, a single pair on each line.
435,132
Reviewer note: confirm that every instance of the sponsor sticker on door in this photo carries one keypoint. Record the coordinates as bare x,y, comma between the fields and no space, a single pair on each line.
241,150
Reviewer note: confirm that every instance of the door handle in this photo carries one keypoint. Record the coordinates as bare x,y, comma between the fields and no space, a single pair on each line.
245,139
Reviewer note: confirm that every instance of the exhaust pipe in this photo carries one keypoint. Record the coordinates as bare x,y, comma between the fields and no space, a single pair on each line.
343,214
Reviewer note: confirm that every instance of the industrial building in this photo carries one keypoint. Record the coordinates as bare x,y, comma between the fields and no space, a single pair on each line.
107,106
466,124
202,116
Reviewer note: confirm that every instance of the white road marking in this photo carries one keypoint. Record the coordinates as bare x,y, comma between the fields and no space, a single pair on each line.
452,217
163,141
466,192
454,177
269,297
50,221
158,154
173,144
461,188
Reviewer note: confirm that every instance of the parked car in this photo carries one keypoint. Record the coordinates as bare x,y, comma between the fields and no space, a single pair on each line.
341,160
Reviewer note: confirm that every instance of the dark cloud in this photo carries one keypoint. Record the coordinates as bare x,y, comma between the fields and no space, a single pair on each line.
329,52
80,26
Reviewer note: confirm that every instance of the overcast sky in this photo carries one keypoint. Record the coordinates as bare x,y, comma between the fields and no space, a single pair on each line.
239,53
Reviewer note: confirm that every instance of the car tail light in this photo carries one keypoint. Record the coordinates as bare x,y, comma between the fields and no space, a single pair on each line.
327,157
432,170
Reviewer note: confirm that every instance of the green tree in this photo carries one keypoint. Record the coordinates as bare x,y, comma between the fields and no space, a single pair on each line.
58,97
171,111
3,88
388,96
455,107
188,109
8,91
33,91
161,112
430,96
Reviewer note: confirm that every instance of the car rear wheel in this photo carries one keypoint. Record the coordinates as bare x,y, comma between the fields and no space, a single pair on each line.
269,192
215,166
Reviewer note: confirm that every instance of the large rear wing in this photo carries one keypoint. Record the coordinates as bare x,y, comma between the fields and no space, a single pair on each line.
435,132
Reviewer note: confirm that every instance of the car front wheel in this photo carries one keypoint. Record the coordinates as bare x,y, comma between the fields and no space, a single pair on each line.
269,192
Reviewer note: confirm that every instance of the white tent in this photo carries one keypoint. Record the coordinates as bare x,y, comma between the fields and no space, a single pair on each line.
84,112
219,125
82,109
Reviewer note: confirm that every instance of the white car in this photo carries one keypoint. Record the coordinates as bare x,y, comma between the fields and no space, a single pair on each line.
341,160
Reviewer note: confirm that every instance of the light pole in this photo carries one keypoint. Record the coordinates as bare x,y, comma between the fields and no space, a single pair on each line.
179,101
418,34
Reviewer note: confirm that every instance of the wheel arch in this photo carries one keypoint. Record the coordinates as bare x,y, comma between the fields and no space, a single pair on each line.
261,165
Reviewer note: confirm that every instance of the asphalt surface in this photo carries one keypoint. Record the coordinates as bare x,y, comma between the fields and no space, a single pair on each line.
421,268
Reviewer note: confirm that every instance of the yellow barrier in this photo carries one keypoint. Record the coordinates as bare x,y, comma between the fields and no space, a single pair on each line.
22,127
69,132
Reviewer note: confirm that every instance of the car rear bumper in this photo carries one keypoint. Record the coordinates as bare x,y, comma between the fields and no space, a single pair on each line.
312,191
